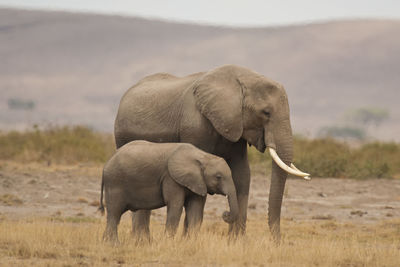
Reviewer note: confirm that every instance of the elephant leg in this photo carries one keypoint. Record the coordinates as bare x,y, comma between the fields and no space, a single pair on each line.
194,209
141,224
277,187
113,219
241,177
174,212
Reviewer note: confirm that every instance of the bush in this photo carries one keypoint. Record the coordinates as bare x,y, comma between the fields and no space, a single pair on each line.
56,144
320,157
375,160
331,158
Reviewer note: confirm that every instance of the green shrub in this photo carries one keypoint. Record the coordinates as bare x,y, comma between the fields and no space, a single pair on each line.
381,160
321,157
331,158
56,144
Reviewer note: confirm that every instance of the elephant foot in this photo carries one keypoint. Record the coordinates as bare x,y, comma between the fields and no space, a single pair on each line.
141,239
276,239
228,218
111,239
141,236
237,229
275,234
141,225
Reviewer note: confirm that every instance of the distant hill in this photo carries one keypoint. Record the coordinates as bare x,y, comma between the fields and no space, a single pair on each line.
75,67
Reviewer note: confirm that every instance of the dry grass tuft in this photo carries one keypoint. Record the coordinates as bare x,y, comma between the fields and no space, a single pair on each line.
82,200
10,200
95,203
322,243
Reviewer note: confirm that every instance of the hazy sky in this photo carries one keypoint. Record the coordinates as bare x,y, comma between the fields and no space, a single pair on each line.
227,12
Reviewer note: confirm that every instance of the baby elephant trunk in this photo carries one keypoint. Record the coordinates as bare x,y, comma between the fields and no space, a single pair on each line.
233,214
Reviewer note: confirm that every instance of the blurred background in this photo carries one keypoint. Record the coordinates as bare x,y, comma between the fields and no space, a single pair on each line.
69,62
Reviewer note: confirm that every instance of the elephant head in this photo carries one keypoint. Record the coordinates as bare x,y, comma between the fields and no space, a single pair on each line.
204,173
240,103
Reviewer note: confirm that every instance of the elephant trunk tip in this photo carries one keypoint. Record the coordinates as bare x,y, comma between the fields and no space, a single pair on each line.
101,210
228,217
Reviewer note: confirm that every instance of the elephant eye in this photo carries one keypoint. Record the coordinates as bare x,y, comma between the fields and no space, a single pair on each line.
266,113
219,176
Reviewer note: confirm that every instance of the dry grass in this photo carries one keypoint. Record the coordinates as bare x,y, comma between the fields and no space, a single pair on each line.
56,144
78,242
10,200
88,169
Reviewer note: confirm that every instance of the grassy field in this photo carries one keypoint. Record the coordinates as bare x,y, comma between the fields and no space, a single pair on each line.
78,241
59,240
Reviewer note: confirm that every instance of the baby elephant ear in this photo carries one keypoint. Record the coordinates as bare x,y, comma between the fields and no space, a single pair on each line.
218,95
185,169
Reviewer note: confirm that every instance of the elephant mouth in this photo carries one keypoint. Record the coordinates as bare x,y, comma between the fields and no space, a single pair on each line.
256,139
261,148
260,145
211,192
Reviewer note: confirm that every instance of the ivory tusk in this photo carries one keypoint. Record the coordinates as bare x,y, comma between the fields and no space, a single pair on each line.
286,168
295,168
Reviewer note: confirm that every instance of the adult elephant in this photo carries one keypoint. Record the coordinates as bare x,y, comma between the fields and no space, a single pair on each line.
218,111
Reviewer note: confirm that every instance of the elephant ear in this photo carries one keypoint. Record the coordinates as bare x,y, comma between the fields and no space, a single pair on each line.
185,169
218,95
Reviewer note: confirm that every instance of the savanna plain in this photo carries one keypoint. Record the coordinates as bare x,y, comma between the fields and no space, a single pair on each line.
347,215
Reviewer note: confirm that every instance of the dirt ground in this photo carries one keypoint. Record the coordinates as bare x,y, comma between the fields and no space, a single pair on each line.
35,190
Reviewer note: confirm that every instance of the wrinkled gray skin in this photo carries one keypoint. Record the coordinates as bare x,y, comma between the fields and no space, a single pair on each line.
219,111
144,175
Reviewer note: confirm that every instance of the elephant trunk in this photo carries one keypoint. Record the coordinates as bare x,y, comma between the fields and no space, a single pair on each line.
232,215
284,147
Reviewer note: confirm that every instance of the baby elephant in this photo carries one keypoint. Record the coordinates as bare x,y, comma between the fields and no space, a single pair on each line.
144,175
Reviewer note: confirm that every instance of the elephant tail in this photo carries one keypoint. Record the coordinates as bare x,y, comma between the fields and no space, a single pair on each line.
101,208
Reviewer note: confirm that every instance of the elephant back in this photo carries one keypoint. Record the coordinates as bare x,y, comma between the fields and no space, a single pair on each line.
151,109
